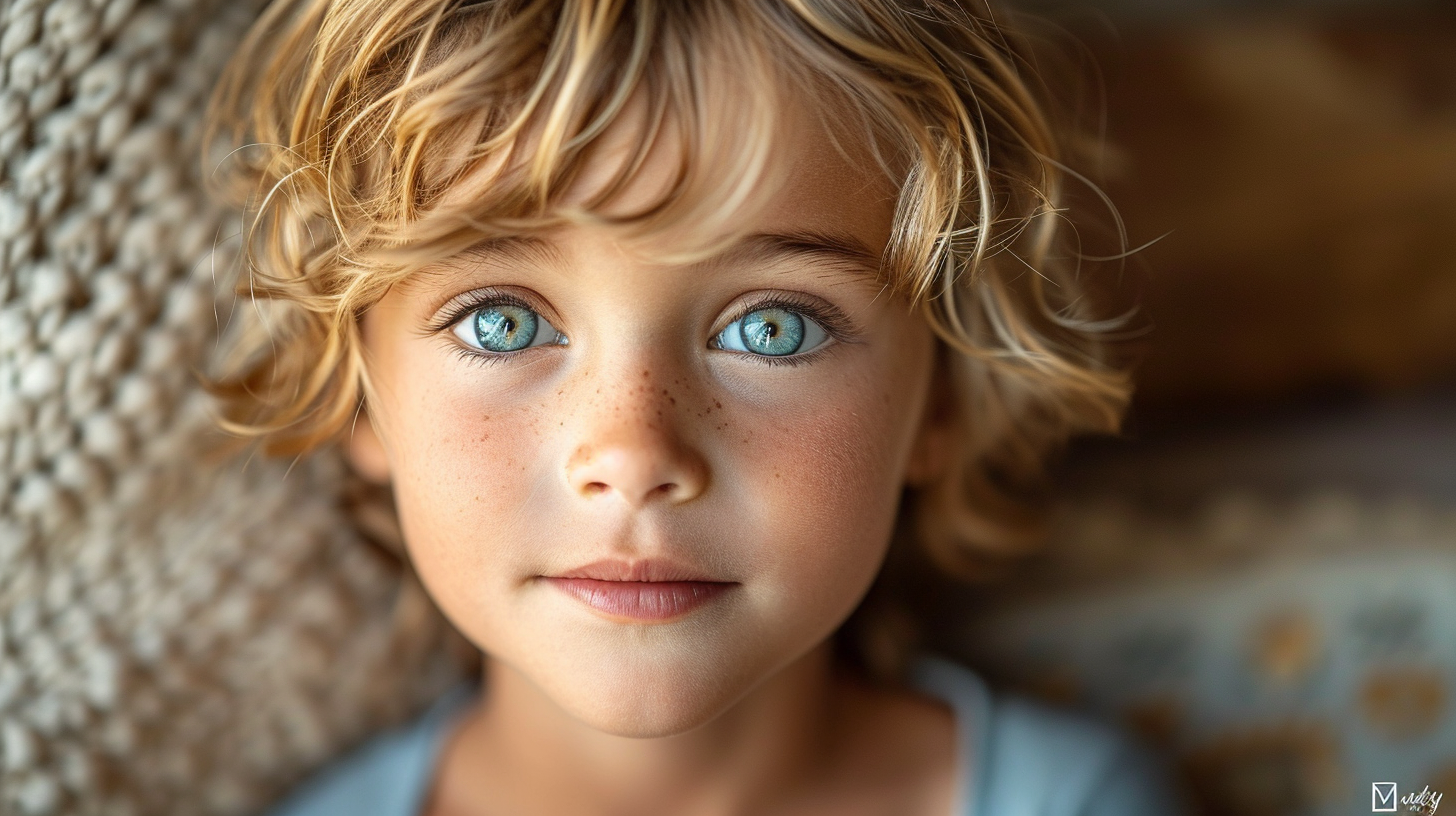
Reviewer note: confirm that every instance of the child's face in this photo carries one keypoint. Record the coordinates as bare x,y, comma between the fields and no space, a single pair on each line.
641,439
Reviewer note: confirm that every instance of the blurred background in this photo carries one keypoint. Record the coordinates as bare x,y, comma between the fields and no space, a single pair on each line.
1260,574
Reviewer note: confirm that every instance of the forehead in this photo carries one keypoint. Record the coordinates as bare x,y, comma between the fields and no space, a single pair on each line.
815,189
810,176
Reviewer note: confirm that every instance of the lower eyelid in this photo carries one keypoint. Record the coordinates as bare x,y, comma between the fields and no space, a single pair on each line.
475,356
801,358
486,358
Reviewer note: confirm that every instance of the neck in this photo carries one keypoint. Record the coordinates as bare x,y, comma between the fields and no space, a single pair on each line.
762,749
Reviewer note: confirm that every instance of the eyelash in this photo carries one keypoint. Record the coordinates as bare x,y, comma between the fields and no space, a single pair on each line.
834,322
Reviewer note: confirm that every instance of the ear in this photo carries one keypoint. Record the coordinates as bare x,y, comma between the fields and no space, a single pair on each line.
365,451
935,438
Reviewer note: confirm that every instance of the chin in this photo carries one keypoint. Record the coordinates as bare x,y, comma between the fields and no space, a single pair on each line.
644,719
647,697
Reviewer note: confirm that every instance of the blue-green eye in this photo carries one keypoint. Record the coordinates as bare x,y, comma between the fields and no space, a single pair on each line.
506,327
772,332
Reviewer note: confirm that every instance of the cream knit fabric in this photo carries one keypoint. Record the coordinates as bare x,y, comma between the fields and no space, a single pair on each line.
175,637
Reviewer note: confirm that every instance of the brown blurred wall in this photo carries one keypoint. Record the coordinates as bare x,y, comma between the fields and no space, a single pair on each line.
1304,169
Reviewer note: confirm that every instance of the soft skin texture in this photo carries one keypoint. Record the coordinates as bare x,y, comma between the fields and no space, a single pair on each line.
639,439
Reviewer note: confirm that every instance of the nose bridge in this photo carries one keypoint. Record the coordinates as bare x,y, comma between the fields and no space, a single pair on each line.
630,441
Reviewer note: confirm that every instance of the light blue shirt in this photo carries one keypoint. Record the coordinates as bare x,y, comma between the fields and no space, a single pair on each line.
1024,760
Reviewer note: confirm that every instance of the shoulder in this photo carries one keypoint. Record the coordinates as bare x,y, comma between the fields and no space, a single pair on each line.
1074,765
386,776
1029,758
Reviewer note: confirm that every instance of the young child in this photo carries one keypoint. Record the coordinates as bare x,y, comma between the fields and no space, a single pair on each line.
656,317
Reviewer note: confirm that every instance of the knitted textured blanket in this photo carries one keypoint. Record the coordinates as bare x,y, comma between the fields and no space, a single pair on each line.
175,636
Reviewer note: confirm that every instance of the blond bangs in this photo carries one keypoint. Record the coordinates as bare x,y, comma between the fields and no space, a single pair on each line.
386,136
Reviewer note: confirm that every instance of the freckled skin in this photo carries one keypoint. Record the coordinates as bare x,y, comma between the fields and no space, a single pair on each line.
638,440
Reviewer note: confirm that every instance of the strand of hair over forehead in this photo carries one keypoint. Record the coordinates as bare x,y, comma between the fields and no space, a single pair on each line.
578,91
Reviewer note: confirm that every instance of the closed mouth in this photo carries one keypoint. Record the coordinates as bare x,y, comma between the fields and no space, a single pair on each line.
642,601
652,590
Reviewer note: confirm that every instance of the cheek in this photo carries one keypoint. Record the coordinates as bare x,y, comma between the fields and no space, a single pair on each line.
462,472
824,484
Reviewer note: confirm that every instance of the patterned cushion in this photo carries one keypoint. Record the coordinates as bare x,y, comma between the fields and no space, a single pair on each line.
1296,652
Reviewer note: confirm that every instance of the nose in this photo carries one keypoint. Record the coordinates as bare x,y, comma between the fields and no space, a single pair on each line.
632,449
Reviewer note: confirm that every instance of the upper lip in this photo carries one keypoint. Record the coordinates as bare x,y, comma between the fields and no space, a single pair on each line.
645,570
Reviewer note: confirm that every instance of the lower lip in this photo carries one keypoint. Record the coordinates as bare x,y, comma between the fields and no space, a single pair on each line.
641,600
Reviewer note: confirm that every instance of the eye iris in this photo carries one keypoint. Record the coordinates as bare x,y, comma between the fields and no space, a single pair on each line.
775,332
505,328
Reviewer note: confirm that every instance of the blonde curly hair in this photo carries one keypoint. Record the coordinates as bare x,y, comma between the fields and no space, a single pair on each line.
350,121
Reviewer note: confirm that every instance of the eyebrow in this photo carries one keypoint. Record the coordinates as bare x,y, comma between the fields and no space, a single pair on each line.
513,248
496,251
841,250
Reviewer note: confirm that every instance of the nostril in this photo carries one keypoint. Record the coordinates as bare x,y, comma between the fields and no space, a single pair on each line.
640,473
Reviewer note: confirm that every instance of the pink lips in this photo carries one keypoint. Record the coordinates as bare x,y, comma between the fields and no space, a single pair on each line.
639,590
